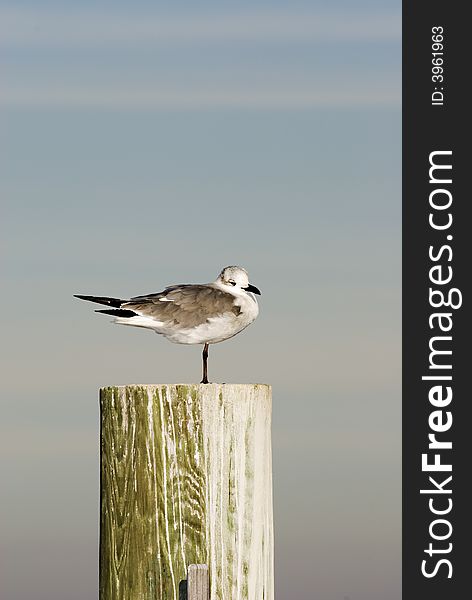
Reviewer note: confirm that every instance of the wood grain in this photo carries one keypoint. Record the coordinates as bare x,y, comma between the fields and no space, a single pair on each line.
186,478
198,582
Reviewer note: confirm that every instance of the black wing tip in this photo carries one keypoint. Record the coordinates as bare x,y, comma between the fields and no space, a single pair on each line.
89,298
117,312
114,302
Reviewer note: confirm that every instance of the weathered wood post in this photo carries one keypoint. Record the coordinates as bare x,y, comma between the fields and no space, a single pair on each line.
198,582
186,478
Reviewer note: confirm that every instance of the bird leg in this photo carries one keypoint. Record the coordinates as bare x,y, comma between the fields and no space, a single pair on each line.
205,364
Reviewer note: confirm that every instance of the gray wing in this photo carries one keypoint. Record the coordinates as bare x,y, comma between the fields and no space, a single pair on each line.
184,305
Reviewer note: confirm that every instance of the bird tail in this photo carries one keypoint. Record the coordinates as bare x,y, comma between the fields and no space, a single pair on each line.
114,302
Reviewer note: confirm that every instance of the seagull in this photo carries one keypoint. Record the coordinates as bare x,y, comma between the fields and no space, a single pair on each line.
205,313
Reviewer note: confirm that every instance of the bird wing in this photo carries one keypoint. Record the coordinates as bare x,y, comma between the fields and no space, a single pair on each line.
185,305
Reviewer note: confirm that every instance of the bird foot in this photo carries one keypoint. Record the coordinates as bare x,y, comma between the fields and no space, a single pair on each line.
204,380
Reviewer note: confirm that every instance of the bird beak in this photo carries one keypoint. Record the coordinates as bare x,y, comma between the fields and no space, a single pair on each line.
253,289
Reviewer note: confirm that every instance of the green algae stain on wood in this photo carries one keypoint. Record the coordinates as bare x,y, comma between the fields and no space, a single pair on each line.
179,466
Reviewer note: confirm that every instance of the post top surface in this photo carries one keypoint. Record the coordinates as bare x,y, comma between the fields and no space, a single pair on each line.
197,386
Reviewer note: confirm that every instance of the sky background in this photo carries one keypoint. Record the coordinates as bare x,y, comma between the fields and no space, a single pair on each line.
151,143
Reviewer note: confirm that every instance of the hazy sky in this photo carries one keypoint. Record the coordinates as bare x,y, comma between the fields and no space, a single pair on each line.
150,143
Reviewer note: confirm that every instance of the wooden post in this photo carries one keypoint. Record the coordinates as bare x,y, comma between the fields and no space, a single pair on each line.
186,478
198,582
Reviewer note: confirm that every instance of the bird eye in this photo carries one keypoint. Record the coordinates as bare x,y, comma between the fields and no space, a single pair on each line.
232,282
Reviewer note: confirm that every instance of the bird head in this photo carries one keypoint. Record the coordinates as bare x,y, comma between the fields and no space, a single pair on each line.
236,277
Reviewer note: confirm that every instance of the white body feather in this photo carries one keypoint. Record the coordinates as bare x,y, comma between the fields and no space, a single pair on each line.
215,329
